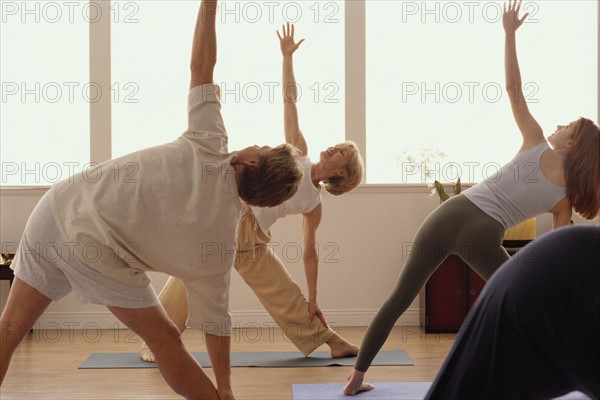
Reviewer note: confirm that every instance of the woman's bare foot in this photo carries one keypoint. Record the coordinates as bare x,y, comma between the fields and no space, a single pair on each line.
146,354
340,347
355,384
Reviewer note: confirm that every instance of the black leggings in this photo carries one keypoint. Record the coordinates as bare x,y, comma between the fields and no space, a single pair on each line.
534,333
455,227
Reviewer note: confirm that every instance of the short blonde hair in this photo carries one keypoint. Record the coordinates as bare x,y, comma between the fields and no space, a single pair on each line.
273,180
355,170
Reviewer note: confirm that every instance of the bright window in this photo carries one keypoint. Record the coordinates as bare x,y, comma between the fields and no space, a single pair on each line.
46,93
435,82
150,67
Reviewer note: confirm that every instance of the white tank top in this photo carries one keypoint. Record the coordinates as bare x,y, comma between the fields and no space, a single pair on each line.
518,191
305,200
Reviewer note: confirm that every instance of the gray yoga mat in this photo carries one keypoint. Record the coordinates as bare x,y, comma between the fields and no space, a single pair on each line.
382,391
249,359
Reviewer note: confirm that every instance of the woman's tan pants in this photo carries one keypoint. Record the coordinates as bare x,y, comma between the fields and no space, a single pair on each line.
264,272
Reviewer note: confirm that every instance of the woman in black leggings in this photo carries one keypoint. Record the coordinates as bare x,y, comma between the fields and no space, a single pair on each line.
557,174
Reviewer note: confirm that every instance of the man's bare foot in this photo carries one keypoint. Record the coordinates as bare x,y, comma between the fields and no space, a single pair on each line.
146,354
340,347
356,385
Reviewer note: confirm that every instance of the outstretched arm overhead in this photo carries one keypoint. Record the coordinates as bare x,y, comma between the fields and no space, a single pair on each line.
293,135
529,127
204,47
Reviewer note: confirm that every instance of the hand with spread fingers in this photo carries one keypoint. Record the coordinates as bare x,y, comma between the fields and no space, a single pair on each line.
510,18
288,45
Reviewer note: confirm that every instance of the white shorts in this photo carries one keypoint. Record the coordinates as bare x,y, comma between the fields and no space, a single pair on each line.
46,262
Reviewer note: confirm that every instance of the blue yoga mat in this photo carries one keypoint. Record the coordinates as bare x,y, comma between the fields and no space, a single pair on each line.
271,359
382,391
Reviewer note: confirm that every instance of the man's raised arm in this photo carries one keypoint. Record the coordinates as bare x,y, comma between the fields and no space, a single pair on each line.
204,48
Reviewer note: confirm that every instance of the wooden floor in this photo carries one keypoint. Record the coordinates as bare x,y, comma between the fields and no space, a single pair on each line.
45,365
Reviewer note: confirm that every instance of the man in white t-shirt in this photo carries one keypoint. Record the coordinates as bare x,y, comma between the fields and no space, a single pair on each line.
172,208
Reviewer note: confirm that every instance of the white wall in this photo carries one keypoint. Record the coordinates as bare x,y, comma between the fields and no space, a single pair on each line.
361,240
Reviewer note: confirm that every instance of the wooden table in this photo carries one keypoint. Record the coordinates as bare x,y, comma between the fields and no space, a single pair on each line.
6,274
452,290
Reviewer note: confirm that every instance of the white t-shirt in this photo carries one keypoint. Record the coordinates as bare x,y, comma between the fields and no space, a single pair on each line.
305,200
172,208
518,191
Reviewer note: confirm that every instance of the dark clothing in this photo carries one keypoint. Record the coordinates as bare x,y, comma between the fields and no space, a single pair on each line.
534,332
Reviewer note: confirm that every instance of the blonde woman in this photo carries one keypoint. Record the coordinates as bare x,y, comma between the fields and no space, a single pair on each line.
339,170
